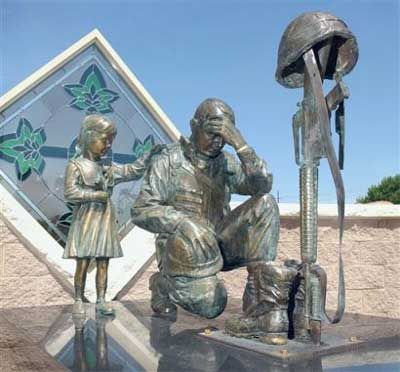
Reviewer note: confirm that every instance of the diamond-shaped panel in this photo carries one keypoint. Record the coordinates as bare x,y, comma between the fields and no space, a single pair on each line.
86,84
39,121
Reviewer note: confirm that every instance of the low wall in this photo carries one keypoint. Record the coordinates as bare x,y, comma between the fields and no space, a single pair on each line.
371,252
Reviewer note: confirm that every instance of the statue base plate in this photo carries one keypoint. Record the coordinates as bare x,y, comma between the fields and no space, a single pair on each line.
293,350
354,333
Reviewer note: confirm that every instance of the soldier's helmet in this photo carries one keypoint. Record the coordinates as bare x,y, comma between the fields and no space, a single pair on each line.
308,31
213,106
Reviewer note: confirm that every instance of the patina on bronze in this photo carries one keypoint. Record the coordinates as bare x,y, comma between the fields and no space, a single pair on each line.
314,47
184,199
88,186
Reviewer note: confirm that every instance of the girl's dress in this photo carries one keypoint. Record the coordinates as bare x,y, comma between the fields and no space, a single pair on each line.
93,232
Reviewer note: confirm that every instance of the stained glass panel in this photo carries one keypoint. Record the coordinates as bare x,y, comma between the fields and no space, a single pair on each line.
38,136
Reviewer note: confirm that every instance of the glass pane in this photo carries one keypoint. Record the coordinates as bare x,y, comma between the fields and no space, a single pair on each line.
38,135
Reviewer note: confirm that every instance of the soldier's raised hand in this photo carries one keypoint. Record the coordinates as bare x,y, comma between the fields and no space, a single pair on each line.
225,128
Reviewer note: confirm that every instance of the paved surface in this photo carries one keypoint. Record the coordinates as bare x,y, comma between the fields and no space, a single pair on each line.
49,339
19,348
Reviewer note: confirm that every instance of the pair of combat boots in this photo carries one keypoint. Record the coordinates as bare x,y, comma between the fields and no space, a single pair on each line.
269,288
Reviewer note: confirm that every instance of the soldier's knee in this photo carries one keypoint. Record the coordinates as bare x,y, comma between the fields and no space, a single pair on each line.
266,205
214,302
206,297
270,202
190,257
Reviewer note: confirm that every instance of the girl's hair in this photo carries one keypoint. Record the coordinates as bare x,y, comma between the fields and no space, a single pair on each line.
93,125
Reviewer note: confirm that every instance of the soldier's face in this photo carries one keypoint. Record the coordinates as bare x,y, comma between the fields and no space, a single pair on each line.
207,142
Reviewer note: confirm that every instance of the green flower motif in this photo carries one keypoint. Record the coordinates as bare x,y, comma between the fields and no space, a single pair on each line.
65,220
140,148
91,94
23,149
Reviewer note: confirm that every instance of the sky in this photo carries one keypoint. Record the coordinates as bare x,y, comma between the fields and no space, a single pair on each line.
186,51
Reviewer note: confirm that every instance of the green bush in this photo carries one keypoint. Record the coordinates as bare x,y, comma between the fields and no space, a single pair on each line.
388,189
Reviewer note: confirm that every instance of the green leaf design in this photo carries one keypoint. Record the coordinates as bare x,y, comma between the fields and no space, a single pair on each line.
23,166
79,103
103,107
107,95
10,143
37,164
147,146
76,90
23,149
140,148
139,151
24,130
8,151
91,94
9,148
39,136
65,220
92,82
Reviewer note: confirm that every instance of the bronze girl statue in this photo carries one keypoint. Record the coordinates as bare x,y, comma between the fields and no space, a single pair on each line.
89,185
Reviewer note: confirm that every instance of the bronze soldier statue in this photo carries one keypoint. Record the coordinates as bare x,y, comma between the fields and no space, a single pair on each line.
185,198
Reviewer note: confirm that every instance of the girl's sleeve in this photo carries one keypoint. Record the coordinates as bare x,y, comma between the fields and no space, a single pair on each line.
73,190
128,172
118,173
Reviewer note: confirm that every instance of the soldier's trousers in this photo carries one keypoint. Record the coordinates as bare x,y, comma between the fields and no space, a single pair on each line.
248,234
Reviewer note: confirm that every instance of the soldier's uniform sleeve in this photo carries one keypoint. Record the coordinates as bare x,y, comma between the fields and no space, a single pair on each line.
74,192
151,210
249,176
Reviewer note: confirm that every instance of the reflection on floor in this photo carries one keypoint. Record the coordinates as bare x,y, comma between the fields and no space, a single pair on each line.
50,339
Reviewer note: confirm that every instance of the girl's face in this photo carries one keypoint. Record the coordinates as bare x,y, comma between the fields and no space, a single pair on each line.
100,144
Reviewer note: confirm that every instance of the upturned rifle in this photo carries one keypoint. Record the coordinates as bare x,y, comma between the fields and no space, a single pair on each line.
317,46
312,142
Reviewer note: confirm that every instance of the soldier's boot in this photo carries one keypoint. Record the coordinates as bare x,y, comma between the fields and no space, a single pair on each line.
268,318
160,301
249,294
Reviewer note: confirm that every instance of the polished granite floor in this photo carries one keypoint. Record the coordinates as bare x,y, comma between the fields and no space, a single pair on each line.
50,339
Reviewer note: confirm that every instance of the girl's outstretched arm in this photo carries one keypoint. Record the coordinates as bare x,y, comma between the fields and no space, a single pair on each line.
118,173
